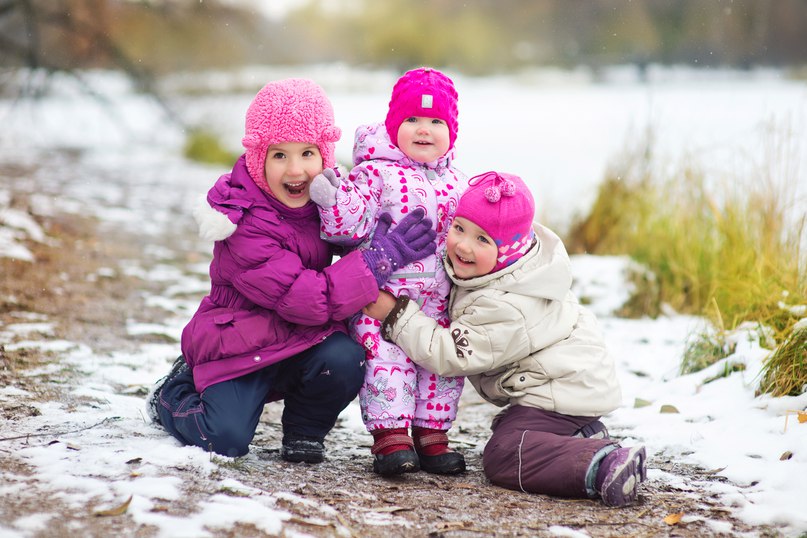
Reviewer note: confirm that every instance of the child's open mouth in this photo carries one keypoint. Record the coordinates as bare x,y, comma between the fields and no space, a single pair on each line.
295,189
463,260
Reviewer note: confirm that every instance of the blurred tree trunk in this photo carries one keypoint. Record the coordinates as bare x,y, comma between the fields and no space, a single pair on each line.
54,34
66,36
84,20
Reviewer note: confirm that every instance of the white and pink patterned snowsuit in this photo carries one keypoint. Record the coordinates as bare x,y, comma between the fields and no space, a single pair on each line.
397,393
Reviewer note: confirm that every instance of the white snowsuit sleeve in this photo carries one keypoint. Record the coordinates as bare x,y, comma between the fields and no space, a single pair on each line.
352,219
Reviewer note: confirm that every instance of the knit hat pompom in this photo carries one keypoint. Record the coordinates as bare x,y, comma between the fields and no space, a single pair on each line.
424,92
290,110
502,205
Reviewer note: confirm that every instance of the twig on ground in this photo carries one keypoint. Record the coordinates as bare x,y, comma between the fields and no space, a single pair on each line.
56,434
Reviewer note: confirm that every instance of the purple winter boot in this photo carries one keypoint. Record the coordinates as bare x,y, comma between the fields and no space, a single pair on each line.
619,475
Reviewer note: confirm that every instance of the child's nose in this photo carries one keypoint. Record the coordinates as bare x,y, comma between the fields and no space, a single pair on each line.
295,167
463,248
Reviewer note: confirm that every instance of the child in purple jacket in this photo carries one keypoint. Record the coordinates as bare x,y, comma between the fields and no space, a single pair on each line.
273,325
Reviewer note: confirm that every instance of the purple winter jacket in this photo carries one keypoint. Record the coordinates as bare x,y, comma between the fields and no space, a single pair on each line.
274,292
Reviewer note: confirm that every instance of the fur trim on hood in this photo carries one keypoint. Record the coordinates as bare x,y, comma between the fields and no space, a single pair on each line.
213,225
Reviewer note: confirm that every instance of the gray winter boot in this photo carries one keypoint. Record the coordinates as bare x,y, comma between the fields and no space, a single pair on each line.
153,397
619,475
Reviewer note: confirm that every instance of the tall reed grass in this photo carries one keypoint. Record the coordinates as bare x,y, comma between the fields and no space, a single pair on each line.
731,249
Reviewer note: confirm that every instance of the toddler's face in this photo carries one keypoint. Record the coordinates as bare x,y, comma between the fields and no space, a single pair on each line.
471,251
289,169
423,139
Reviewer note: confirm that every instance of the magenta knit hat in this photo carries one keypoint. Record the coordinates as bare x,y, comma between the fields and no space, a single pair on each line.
290,110
423,92
500,204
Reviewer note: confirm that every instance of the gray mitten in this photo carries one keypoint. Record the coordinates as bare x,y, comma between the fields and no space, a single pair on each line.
410,241
324,187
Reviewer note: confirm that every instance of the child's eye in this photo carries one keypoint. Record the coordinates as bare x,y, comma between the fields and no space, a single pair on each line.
483,239
278,155
437,121
411,119
308,153
458,227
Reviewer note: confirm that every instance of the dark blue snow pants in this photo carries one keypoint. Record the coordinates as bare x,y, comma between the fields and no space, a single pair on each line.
316,385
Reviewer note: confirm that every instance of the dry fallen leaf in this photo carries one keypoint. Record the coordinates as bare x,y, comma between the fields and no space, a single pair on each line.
391,509
667,408
714,471
118,510
452,525
801,416
68,446
786,455
312,522
673,519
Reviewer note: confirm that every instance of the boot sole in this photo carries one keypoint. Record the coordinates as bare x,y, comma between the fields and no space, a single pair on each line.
451,463
395,463
298,458
622,486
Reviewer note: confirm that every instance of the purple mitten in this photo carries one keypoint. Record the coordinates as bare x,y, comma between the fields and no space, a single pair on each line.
324,187
411,240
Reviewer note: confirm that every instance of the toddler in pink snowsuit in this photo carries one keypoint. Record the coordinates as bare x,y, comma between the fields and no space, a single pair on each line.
403,164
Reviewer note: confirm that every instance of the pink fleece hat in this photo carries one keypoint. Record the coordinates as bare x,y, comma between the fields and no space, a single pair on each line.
290,110
423,92
502,205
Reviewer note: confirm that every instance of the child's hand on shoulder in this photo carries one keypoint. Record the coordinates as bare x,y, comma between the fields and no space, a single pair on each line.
325,186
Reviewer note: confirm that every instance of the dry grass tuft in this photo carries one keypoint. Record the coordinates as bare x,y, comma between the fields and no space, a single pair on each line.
786,368
731,250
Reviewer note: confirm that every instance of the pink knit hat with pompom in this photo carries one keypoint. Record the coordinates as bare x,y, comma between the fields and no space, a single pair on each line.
502,205
290,110
423,92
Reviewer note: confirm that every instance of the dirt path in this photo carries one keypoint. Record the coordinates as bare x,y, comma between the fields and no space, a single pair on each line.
340,497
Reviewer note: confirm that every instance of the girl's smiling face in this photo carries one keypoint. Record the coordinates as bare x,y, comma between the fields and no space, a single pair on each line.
290,167
470,250
423,139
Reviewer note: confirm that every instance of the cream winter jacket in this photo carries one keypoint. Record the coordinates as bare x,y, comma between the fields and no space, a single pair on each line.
520,335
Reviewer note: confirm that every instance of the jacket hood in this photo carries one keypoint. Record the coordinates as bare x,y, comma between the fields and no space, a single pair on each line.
543,272
373,142
219,213
213,225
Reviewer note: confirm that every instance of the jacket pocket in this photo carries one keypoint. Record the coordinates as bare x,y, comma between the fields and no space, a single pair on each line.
496,386
242,331
527,373
223,319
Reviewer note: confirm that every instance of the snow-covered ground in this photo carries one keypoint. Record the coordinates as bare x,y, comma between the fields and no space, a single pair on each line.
558,132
